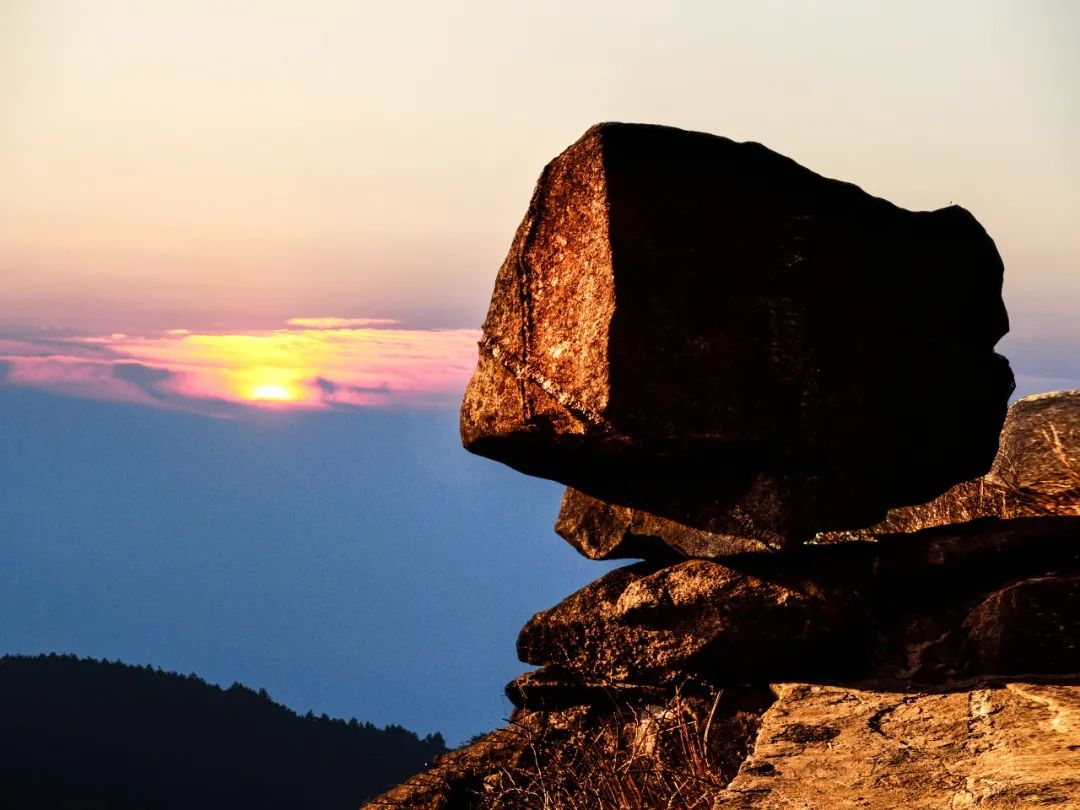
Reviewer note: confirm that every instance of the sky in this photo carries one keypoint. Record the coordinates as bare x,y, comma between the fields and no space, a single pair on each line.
236,234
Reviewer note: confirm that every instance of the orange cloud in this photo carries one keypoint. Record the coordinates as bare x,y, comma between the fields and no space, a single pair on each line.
316,363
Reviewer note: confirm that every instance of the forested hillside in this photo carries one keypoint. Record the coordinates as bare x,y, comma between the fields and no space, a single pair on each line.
86,733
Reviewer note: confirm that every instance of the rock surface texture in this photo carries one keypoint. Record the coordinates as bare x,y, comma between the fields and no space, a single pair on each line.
708,331
725,356
1010,744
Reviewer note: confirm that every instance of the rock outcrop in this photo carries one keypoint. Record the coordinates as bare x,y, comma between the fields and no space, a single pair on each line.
994,743
1035,472
988,597
708,331
1040,446
738,366
987,742
649,625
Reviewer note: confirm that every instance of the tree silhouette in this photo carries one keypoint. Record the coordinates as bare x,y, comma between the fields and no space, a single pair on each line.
85,733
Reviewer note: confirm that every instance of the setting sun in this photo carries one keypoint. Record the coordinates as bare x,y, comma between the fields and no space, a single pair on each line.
271,393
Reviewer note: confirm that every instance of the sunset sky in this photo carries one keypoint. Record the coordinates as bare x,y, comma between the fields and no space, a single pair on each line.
228,166
243,211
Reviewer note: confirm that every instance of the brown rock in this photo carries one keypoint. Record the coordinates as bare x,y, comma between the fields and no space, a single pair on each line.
896,606
927,585
993,744
1040,445
647,626
694,326
1030,626
553,688
458,779
604,531
1036,472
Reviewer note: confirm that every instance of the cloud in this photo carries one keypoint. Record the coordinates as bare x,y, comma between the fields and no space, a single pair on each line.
140,375
340,323
146,378
328,387
297,367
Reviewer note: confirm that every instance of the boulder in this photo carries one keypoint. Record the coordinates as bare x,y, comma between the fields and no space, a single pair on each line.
1040,446
703,329
940,603
999,744
643,625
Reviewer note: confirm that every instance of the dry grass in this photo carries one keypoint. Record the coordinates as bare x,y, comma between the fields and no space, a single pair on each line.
676,756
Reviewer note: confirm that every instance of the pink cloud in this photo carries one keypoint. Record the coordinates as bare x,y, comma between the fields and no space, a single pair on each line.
314,363
339,323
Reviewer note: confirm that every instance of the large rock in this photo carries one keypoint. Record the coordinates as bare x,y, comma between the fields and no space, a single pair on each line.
1040,446
991,596
993,744
707,331
1035,473
642,625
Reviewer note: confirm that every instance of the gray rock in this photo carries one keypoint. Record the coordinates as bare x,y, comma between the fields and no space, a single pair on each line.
897,607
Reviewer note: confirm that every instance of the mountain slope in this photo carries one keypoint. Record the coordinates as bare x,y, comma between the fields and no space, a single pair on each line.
86,733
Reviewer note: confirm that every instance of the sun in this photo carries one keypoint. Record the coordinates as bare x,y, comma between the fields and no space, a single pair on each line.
272,393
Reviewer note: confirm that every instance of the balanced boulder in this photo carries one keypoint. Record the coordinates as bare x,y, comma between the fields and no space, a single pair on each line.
712,333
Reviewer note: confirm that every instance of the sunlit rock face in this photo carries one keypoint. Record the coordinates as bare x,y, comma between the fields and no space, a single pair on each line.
999,743
1040,446
709,332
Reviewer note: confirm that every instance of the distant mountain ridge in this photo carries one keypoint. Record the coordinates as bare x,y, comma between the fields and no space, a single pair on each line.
98,734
